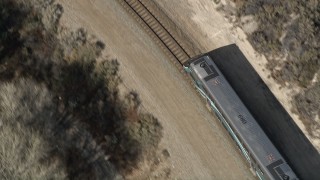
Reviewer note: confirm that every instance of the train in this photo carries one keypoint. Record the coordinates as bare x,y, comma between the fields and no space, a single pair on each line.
263,158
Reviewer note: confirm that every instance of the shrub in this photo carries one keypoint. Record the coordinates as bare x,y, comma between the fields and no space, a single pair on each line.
52,87
289,29
296,25
307,104
24,152
23,155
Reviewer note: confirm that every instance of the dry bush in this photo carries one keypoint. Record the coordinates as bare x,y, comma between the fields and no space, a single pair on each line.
26,103
69,100
24,151
27,107
289,29
9,27
307,104
137,135
23,155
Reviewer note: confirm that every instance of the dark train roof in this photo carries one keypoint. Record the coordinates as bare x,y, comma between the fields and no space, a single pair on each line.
255,140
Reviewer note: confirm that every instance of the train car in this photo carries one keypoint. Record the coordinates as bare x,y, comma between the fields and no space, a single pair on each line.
264,159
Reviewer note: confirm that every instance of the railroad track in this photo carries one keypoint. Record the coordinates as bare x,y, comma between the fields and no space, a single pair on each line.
139,9
175,50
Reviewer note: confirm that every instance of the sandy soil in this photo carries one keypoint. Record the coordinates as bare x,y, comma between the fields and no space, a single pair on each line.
209,28
199,148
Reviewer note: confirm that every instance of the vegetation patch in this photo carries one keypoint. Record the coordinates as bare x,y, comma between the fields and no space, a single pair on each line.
288,34
61,113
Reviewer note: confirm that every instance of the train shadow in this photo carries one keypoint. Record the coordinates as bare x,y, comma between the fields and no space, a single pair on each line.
269,113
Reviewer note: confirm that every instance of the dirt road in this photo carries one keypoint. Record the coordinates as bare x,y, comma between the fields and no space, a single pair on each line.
199,148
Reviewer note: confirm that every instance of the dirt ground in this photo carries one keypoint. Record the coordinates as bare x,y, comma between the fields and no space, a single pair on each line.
210,29
199,148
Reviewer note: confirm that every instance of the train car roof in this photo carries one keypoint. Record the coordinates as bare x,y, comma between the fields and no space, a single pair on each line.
250,132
